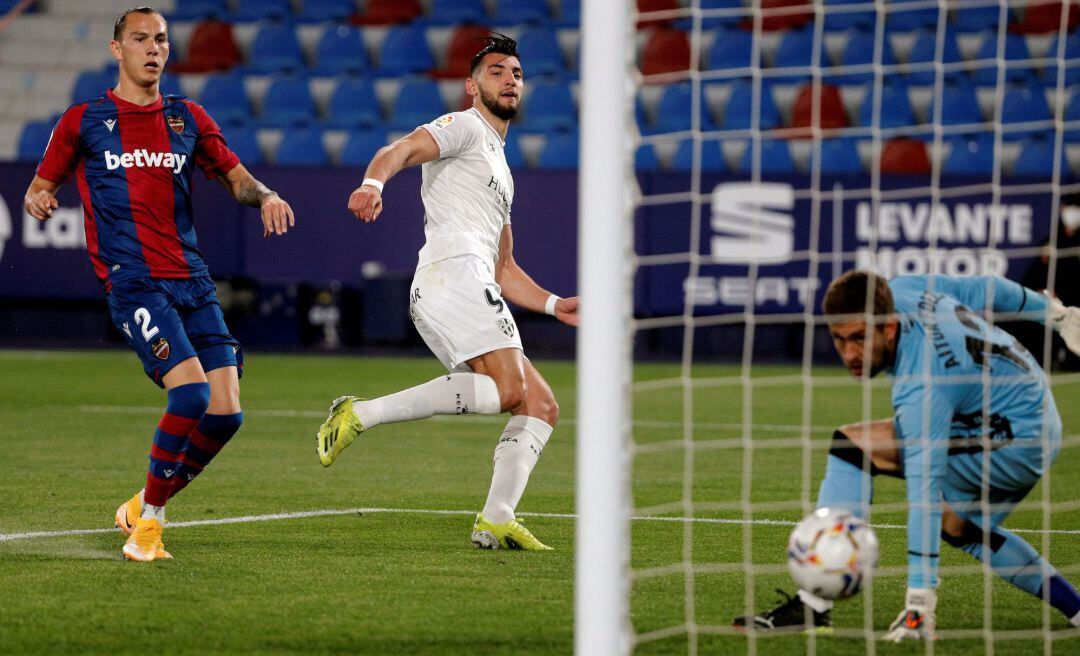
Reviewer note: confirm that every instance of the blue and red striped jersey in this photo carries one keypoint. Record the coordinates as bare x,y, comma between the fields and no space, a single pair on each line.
132,165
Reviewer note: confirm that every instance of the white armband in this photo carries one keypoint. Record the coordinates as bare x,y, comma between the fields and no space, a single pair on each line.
372,182
549,307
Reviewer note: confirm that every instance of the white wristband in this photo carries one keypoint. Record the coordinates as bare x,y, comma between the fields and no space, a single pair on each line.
549,307
372,182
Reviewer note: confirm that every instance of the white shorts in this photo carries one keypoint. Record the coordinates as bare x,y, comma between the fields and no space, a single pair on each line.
457,307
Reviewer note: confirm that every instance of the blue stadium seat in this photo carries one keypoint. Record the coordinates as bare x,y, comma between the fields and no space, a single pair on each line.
675,112
274,50
959,104
170,85
199,9
341,50
924,51
360,147
894,109
859,50
902,18
287,103
775,157
1036,157
709,22
796,50
1016,49
1022,105
540,52
560,152
515,159
404,51
731,49
550,107
417,102
840,156
1072,52
570,13
253,10
243,141
1072,114
976,19
837,20
712,156
738,111
455,12
645,159
517,12
971,154
302,148
224,99
91,84
35,136
321,11
353,105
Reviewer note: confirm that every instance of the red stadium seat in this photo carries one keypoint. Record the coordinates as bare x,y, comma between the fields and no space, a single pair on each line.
831,112
387,12
465,42
1045,18
644,6
905,156
667,51
785,19
211,48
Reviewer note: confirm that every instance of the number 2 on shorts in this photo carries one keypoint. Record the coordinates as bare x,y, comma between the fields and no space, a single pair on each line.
142,319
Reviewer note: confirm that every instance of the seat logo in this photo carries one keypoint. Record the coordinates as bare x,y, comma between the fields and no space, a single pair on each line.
143,158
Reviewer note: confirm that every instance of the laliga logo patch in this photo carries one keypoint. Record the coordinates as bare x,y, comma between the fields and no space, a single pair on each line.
161,349
175,122
444,121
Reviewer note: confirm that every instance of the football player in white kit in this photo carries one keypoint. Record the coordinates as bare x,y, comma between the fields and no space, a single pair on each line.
465,270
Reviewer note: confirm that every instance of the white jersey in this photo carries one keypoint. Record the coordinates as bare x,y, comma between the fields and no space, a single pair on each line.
467,192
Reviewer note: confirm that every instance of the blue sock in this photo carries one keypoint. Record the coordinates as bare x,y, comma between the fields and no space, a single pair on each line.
846,484
212,434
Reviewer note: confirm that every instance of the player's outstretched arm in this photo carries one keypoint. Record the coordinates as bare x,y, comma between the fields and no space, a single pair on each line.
417,148
40,200
522,290
277,216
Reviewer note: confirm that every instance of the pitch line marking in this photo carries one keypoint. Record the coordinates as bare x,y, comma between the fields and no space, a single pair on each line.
246,519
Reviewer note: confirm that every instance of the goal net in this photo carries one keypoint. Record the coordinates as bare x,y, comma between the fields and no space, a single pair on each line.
777,144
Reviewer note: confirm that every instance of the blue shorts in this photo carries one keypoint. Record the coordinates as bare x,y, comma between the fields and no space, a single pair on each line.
168,321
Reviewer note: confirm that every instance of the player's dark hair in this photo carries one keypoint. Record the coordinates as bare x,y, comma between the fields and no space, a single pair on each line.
497,43
1072,199
121,20
847,294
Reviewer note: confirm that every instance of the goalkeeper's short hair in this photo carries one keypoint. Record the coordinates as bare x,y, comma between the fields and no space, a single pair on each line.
847,295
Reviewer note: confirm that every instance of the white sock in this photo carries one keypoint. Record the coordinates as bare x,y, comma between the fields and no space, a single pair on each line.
815,602
452,394
150,511
1075,620
519,448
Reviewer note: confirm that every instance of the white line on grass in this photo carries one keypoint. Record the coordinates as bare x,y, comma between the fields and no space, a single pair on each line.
246,519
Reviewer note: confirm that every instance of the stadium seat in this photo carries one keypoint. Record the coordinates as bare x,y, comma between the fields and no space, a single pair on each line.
902,18
796,50
418,101
786,19
831,113
646,6
905,156
387,12
550,107
287,103
1022,105
275,50
666,51
970,155
709,22
321,11
199,9
1016,48
353,104
1046,18
959,104
731,48
456,12
243,141
976,19
894,109
570,13
738,111
675,111
404,51
224,99
540,52
1072,68
169,85
1072,114
341,50
924,51
840,156
91,84
464,43
302,148
560,152
859,51
212,47
775,158
839,20
1036,158
360,147
518,12
515,159
253,10
712,157
33,140
645,159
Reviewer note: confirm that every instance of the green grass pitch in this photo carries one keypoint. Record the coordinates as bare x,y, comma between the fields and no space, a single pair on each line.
75,429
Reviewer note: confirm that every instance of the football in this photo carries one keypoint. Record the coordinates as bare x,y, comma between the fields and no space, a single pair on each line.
831,553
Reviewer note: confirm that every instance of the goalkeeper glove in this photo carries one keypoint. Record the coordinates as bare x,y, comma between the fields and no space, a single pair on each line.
1066,321
916,621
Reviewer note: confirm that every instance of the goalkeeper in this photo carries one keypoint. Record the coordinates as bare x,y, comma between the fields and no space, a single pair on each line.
974,422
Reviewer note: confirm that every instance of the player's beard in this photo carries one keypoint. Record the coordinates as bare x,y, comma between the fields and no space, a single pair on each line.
501,111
